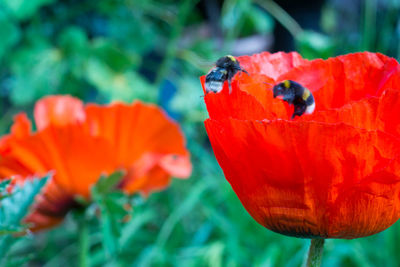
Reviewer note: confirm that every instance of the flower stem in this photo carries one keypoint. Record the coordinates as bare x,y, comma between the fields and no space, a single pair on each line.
281,15
369,22
314,257
83,242
5,244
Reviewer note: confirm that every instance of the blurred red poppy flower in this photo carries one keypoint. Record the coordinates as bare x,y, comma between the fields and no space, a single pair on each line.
80,143
332,174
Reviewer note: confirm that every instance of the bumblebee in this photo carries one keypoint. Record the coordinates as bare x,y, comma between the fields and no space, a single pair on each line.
297,95
225,68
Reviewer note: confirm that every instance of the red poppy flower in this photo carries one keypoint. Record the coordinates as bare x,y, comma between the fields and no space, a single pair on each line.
332,174
80,143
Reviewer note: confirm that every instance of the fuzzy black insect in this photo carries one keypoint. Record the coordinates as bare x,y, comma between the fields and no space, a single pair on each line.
297,95
225,68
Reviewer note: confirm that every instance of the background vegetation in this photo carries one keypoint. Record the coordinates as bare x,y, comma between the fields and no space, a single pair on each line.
155,50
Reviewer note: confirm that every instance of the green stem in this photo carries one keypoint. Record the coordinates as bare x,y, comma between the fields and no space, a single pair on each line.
83,242
281,16
369,22
5,244
314,257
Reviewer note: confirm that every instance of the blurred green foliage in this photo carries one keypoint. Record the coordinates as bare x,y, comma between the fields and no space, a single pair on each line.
14,206
155,50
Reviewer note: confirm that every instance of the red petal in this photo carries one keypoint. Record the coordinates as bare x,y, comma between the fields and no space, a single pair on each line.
295,177
271,65
80,147
50,206
250,99
341,80
39,221
371,113
154,179
139,129
58,110
20,129
177,166
155,169
362,114
389,111
334,82
264,69
77,158
21,126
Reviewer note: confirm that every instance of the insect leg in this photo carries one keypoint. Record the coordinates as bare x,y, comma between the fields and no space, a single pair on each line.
229,85
245,71
299,110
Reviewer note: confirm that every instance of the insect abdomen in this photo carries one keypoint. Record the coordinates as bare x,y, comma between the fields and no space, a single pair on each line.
309,99
215,80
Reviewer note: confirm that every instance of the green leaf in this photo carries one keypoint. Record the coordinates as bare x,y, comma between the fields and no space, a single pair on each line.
186,101
9,32
38,71
14,208
23,9
233,13
115,58
106,184
132,228
73,40
22,260
11,230
4,184
4,195
111,203
128,26
124,86
109,69
314,45
257,21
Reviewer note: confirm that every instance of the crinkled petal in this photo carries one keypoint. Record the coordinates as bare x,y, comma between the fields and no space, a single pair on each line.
254,98
335,83
76,158
21,126
301,178
389,110
271,65
152,172
373,113
154,179
20,129
250,99
139,129
50,206
177,166
361,114
79,144
338,81
58,110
